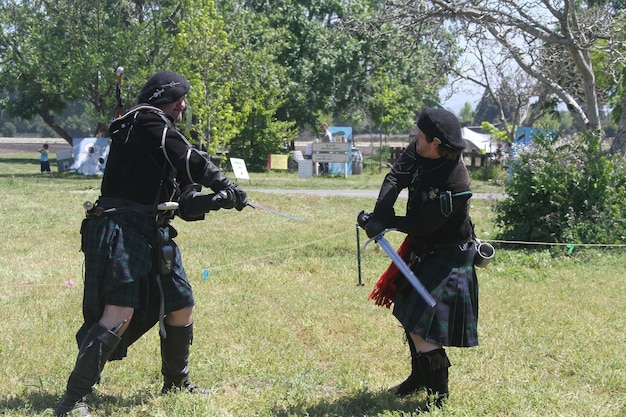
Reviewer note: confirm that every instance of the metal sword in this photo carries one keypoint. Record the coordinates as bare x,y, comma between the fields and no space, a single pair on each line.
402,266
269,210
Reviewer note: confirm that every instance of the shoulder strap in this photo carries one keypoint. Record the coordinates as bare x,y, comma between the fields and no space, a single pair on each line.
121,128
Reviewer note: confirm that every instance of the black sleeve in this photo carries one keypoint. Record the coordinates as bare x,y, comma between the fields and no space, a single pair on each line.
395,181
191,165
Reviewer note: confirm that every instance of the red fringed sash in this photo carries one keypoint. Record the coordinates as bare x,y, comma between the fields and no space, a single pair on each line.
384,292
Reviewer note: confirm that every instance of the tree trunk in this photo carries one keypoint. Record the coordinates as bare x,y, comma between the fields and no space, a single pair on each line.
49,120
619,144
102,131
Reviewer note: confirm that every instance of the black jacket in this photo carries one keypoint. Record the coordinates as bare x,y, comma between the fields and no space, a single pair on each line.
155,161
437,212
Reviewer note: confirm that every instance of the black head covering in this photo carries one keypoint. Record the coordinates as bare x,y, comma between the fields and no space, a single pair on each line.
443,125
163,87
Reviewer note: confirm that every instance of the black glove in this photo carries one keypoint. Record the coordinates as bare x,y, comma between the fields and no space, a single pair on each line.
232,197
242,199
362,219
370,223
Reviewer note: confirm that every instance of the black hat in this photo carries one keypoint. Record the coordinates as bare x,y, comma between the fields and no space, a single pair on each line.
163,87
443,125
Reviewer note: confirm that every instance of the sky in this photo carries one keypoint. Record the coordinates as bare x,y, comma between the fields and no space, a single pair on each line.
456,102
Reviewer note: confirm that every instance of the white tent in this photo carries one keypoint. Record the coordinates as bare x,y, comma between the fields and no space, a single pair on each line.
478,141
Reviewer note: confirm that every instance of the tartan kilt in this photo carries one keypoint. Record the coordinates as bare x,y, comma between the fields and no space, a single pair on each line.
449,275
119,255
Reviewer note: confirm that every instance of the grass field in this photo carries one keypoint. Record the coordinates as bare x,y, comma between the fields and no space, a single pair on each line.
282,326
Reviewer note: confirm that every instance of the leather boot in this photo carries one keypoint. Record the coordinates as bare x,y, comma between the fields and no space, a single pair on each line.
94,352
435,366
414,382
175,360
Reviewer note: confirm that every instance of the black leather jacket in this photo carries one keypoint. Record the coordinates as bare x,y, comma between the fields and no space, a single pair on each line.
155,162
437,212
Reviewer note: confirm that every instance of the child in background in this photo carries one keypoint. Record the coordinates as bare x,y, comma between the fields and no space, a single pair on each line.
44,162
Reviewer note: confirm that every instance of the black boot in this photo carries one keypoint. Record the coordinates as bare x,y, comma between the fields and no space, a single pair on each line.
94,352
414,382
435,366
175,360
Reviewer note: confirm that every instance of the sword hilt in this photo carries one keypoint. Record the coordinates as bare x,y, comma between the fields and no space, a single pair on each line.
378,237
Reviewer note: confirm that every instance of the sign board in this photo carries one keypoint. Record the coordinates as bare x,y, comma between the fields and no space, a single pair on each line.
330,157
239,168
278,161
331,152
331,147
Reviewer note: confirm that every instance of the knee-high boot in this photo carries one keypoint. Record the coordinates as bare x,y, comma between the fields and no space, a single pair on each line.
93,354
415,381
434,365
175,359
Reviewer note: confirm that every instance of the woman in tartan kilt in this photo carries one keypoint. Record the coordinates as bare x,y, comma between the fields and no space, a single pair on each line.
439,248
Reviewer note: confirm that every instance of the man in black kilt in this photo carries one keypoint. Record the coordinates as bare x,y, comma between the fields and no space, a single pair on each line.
439,248
134,277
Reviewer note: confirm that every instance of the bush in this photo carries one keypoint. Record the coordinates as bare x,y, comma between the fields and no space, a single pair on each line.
9,130
567,191
492,172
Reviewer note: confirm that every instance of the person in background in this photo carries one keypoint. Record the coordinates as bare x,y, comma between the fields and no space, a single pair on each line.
134,277
439,248
326,138
44,160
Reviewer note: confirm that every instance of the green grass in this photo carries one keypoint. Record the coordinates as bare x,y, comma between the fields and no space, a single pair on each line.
283,329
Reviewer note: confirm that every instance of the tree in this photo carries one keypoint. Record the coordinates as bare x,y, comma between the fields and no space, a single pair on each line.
257,85
306,59
53,53
466,114
526,32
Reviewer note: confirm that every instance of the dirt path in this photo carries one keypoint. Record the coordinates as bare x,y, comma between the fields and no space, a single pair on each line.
31,145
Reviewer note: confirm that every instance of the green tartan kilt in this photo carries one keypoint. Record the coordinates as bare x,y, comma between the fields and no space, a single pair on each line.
448,274
119,255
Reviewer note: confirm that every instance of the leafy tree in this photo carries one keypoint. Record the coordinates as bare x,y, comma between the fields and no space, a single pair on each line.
202,53
414,58
53,53
8,129
466,114
33,63
255,66
257,82
486,111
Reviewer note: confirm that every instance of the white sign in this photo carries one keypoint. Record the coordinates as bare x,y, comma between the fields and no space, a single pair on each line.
330,157
239,168
331,147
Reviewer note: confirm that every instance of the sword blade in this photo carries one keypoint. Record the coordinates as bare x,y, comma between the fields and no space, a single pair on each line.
269,210
404,268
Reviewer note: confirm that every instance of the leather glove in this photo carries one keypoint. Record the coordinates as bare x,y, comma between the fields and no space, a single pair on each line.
362,219
374,227
242,199
232,197
370,224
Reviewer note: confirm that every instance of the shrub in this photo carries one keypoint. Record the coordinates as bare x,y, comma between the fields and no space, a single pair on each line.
565,191
491,172
9,130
